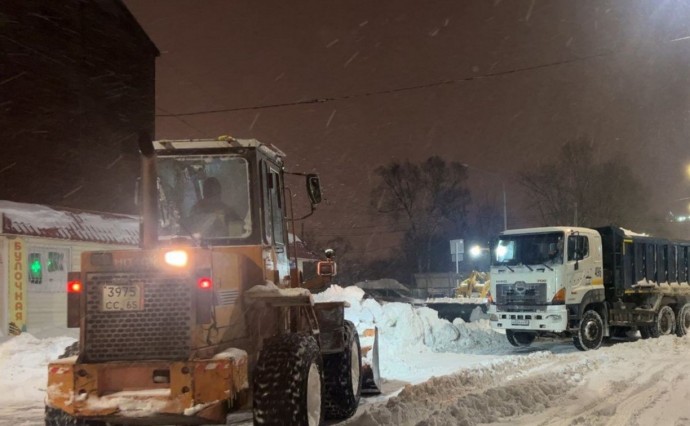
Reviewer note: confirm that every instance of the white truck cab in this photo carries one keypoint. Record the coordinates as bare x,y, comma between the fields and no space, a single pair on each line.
540,277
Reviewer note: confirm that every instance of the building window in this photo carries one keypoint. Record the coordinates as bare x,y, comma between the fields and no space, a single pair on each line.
56,261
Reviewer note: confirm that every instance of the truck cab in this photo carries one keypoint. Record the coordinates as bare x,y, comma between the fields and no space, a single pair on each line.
541,278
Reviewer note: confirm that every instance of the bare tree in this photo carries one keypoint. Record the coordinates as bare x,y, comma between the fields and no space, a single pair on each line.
578,188
426,199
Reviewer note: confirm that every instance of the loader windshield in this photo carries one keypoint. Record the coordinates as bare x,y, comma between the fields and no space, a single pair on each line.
529,249
204,196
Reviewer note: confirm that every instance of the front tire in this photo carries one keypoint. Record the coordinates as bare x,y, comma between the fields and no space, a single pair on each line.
590,333
288,382
342,377
520,339
683,320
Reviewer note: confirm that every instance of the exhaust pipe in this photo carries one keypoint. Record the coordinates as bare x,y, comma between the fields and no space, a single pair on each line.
148,212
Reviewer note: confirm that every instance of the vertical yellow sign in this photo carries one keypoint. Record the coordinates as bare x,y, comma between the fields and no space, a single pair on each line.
17,286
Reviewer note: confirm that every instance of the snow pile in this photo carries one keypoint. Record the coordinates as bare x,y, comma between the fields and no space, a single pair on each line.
24,361
269,289
407,334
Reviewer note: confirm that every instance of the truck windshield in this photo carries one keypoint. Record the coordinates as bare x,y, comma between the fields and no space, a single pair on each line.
204,197
530,249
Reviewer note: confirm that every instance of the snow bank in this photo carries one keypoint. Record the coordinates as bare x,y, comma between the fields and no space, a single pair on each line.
408,334
21,379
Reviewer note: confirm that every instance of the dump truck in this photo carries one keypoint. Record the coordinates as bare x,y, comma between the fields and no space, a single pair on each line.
208,318
588,284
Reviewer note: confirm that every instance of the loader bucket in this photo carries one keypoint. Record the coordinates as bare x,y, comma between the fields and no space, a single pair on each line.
371,378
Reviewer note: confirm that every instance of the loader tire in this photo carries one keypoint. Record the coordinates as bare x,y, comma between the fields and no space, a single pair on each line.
590,333
342,377
520,339
288,382
683,320
57,417
664,324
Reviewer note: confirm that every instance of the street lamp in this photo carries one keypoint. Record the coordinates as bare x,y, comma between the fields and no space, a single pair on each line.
503,188
476,251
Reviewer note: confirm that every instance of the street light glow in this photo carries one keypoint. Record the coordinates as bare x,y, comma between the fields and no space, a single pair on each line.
475,251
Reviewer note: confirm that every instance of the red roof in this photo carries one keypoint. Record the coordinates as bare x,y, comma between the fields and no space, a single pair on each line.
37,220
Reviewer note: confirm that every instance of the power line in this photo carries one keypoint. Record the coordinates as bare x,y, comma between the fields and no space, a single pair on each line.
362,234
392,91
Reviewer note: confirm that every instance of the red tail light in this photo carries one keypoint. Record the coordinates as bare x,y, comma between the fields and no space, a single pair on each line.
74,287
205,283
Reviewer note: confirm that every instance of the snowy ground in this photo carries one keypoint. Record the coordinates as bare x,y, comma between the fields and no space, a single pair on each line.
437,373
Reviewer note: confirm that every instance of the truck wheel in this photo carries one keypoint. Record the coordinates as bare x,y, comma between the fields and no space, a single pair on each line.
288,382
590,334
520,339
342,377
683,320
57,417
665,323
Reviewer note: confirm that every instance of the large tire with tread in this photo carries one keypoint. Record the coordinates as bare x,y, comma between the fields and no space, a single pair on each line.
590,333
520,339
665,323
342,377
288,382
57,417
683,320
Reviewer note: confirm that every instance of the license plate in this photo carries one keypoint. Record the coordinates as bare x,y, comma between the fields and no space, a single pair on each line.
520,322
122,297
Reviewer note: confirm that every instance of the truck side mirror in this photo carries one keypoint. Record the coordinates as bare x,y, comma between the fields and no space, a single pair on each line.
314,188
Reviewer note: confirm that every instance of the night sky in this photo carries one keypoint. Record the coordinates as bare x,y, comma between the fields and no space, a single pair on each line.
345,86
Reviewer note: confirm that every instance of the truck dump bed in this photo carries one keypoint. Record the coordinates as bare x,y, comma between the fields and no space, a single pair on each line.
637,262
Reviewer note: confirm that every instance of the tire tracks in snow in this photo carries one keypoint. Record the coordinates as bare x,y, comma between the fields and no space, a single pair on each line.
509,387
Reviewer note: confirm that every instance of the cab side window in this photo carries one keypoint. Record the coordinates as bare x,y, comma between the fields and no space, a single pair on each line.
578,247
273,211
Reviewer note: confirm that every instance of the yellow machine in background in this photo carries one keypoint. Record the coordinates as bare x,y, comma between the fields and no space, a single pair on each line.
478,285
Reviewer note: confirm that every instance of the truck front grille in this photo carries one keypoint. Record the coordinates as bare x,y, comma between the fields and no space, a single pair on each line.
521,293
162,330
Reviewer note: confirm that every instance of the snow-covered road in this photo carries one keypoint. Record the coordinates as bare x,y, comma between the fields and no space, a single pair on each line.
439,373
643,382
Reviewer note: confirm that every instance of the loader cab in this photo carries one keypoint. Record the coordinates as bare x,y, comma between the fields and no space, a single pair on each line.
220,193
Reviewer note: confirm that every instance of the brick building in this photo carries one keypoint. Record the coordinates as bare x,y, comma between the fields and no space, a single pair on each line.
76,87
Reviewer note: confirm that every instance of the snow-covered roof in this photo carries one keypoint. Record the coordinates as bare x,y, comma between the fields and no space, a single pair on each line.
546,229
38,220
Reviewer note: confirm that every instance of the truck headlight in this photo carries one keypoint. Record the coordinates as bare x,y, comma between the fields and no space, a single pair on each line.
553,317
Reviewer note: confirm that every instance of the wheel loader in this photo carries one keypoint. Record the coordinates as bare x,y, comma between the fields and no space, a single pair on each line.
207,321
